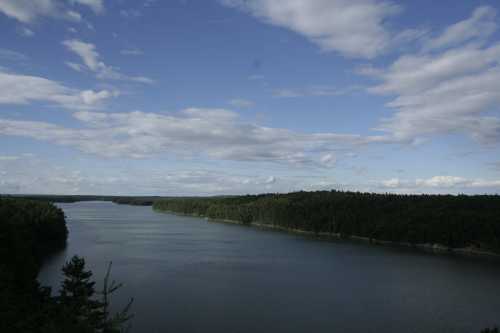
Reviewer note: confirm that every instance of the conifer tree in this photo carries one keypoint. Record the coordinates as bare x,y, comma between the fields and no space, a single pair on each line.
76,296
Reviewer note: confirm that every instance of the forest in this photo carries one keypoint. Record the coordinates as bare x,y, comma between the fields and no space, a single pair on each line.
129,200
60,198
29,232
452,221
135,201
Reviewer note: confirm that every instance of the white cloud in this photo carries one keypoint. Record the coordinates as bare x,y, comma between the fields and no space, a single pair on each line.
495,165
25,89
212,133
149,3
96,5
448,91
33,175
241,103
255,77
441,184
328,160
26,11
27,173
8,158
481,183
25,32
87,52
391,183
480,25
352,28
30,174
132,52
270,180
90,97
317,90
287,93
442,181
11,55
74,16
90,58
130,13
74,66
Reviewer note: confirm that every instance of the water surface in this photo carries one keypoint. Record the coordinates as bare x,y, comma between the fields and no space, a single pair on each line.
189,275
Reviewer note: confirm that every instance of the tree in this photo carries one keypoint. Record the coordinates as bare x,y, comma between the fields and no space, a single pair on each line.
29,231
76,297
492,330
83,312
114,323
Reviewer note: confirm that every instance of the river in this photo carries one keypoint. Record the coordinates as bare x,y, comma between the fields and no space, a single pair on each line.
190,275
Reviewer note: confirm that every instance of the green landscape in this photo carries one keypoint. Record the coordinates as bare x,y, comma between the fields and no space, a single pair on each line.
30,231
462,223
467,224
33,227
243,166
454,222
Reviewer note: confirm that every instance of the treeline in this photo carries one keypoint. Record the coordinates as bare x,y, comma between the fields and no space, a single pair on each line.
453,221
135,201
125,200
29,232
60,198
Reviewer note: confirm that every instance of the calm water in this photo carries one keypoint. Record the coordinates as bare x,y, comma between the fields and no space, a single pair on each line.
188,275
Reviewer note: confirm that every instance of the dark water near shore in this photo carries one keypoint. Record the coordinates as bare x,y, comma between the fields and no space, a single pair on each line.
187,275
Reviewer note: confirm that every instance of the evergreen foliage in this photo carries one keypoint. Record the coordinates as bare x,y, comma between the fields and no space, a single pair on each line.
453,221
491,330
29,231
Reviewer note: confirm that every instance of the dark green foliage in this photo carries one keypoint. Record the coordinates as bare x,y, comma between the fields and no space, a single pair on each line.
135,201
138,201
77,297
454,221
62,198
79,309
116,322
29,231
492,330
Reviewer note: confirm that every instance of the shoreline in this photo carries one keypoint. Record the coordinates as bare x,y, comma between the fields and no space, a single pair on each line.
433,248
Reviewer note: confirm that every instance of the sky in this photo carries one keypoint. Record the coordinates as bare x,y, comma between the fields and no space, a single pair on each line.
210,97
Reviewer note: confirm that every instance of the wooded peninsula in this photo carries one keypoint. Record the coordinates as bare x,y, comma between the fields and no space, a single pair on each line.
29,232
441,223
469,224
32,229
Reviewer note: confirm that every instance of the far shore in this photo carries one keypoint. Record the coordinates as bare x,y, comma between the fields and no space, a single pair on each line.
429,247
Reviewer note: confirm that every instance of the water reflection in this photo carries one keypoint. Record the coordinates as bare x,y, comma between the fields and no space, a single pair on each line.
188,275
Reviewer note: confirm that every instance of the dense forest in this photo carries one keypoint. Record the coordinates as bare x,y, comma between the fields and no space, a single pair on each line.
452,221
128,200
60,198
135,201
29,232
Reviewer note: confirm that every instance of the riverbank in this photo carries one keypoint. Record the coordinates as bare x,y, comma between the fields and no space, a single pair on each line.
433,248
30,231
224,270
436,223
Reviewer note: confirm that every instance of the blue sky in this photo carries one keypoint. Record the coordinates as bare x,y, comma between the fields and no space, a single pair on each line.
231,96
